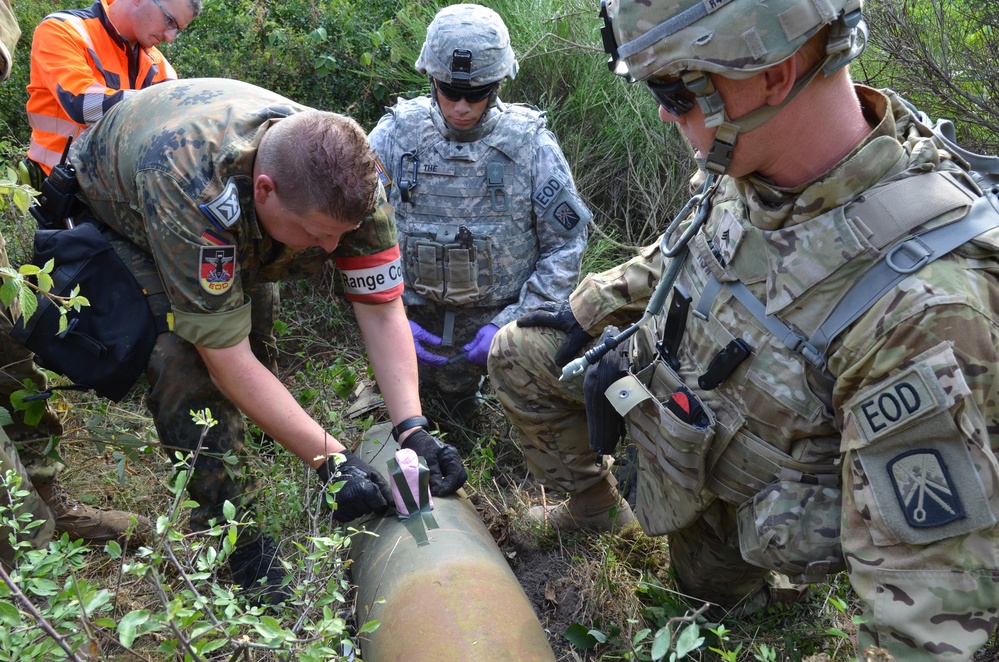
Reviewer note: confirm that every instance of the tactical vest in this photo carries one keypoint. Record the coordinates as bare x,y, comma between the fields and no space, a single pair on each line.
467,230
771,438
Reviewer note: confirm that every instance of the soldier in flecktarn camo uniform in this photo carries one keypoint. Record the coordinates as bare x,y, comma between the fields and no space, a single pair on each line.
211,187
818,391
490,223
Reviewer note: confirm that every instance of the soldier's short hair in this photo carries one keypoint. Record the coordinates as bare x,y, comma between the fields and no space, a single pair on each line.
321,161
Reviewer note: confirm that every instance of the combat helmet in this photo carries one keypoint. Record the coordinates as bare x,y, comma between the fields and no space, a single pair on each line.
467,46
685,40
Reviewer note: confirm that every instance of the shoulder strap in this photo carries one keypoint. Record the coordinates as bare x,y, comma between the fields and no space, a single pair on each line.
902,259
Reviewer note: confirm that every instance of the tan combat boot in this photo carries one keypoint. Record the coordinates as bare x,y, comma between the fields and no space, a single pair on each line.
89,523
598,508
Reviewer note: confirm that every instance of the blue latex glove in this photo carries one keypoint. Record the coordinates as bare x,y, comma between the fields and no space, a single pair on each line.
423,355
477,351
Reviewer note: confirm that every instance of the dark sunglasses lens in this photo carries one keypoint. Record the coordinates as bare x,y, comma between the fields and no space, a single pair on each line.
674,97
470,94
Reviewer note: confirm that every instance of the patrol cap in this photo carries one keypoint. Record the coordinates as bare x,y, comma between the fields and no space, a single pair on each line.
733,38
467,46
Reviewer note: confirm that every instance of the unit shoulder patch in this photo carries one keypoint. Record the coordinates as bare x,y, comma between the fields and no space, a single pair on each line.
898,403
217,268
224,211
924,488
549,189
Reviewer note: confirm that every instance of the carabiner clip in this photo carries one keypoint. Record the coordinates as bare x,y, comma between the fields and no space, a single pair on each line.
700,200
407,185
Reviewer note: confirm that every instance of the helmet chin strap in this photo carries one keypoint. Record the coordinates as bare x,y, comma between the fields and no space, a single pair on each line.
711,104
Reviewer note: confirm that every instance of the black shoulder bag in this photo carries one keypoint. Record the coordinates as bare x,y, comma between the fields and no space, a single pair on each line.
108,343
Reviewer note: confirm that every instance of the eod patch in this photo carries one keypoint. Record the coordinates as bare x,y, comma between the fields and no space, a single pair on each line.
916,459
217,268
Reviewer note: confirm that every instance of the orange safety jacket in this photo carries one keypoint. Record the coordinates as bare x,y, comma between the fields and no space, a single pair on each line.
80,68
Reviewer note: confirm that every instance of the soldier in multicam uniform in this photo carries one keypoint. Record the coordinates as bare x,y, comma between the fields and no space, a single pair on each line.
490,223
47,498
776,436
31,503
209,187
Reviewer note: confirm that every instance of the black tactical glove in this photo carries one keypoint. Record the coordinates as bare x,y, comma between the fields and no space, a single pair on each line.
605,424
447,473
558,315
365,491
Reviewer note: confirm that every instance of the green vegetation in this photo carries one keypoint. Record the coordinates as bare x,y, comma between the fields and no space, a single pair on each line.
173,599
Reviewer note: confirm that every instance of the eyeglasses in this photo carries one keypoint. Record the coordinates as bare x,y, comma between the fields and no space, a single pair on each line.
469,94
674,96
171,22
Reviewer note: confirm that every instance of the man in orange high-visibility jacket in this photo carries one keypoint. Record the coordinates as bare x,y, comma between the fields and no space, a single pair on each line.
83,61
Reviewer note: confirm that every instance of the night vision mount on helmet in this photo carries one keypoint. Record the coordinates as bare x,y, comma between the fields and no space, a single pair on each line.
467,46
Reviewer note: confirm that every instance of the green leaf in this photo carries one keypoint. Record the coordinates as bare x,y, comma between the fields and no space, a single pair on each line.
9,615
126,629
229,511
661,643
8,291
370,626
29,304
580,636
5,417
689,640
270,628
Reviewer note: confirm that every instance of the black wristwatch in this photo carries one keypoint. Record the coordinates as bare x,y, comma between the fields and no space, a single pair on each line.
409,424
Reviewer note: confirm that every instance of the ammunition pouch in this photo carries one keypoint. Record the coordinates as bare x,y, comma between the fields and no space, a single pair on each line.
442,270
605,423
685,466
793,527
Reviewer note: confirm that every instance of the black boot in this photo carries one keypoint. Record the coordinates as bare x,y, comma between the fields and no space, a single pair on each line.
257,568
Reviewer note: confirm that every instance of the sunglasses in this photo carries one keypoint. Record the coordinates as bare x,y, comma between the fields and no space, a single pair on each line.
469,94
674,96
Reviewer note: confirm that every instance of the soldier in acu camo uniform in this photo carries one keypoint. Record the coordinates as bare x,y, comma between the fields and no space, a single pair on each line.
209,187
490,223
790,423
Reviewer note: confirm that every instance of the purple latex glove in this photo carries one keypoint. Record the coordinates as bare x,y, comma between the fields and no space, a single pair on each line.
423,355
477,351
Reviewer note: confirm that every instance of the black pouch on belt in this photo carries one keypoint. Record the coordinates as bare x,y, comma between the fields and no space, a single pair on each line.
606,425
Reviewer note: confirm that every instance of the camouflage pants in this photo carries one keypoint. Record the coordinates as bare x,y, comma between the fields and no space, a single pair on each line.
179,384
459,380
32,503
551,420
33,442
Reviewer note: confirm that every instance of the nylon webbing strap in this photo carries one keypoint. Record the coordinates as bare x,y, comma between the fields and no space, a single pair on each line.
901,261
663,30
773,324
419,518
892,211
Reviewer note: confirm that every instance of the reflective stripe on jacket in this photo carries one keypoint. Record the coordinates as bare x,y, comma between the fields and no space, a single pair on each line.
81,67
